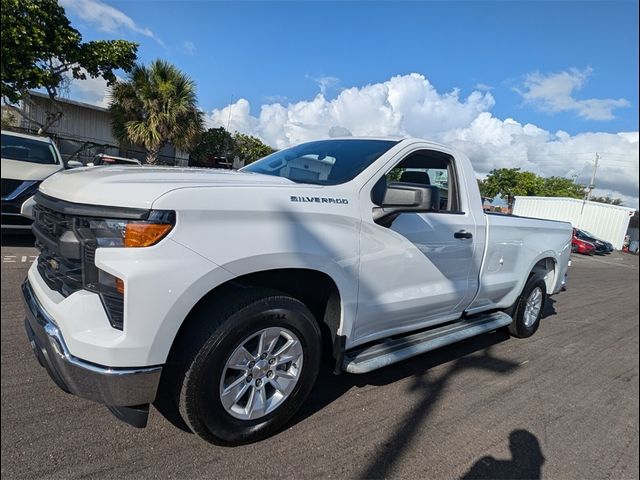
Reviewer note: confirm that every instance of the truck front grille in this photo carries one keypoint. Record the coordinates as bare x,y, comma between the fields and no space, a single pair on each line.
67,267
60,273
50,222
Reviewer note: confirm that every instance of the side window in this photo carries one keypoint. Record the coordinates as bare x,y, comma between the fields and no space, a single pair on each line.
427,167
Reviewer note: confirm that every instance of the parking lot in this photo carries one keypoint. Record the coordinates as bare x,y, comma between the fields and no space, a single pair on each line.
562,404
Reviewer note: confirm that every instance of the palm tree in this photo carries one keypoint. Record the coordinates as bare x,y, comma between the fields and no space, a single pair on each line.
154,106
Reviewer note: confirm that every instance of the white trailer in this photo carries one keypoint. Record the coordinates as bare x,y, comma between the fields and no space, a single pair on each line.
607,222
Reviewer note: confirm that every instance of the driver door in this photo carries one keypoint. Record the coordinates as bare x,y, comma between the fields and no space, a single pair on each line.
422,269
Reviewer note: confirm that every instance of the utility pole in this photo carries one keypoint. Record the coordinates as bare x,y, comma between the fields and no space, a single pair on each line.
229,117
592,184
227,152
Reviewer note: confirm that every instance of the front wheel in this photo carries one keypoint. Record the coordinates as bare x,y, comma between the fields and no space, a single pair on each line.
253,371
527,310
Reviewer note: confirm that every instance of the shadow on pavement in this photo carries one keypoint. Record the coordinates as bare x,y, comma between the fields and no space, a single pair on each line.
525,463
473,353
549,308
330,387
431,387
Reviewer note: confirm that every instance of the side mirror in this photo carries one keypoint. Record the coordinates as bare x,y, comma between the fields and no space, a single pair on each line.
74,164
404,198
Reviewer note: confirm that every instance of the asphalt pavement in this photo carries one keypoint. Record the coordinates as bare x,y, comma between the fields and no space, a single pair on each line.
561,405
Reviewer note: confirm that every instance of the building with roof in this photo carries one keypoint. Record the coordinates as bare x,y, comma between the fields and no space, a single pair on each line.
84,130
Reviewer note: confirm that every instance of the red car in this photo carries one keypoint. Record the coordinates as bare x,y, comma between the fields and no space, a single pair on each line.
580,246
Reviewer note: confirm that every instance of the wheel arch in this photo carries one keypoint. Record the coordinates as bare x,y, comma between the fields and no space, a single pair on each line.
316,289
548,267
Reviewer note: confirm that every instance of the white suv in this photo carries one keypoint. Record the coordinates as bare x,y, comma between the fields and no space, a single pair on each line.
26,161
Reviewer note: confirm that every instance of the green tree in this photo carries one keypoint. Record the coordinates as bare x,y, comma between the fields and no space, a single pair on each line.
607,199
156,105
8,119
483,189
250,148
214,142
509,182
561,187
529,184
40,49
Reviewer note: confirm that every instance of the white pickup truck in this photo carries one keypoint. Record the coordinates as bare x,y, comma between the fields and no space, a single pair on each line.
214,293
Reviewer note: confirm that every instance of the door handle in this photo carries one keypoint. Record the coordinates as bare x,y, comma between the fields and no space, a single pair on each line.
462,234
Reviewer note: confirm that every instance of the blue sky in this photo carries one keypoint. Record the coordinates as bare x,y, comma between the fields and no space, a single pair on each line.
565,72
273,50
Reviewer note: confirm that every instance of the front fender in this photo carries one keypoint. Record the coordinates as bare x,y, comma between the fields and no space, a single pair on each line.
344,274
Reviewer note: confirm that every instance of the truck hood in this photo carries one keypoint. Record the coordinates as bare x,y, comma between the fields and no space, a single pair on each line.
134,186
20,170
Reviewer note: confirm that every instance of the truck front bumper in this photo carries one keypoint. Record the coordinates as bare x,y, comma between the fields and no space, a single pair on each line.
114,387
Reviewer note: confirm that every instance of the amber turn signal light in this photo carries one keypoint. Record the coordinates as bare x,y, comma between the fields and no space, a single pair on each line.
119,285
144,234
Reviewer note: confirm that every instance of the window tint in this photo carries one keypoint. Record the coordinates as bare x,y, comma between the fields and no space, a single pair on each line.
325,162
27,150
429,168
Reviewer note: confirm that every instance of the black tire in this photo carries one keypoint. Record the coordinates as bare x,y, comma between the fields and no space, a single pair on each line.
518,327
219,327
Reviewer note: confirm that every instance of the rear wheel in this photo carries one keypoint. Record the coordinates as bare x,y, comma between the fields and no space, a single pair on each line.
527,310
250,364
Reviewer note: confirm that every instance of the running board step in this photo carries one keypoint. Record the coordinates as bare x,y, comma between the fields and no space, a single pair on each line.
392,351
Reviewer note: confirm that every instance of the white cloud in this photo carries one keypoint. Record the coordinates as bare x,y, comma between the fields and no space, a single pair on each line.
105,17
483,87
326,83
408,105
553,93
275,98
494,143
189,48
403,105
91,90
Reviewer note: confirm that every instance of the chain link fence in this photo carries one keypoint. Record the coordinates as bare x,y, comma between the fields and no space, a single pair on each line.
85,149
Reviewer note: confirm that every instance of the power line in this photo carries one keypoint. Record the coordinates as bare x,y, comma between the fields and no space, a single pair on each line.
604,163
564,154
544,161
622,154
573,154
568,155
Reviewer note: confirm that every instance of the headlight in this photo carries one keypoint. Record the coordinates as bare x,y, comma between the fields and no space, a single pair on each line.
107,233
128,233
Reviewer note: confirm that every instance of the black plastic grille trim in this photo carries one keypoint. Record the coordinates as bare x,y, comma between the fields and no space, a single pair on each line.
87,210
9,185
68,275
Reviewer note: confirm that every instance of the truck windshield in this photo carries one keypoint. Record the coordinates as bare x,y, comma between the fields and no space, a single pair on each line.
324,162
28,150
